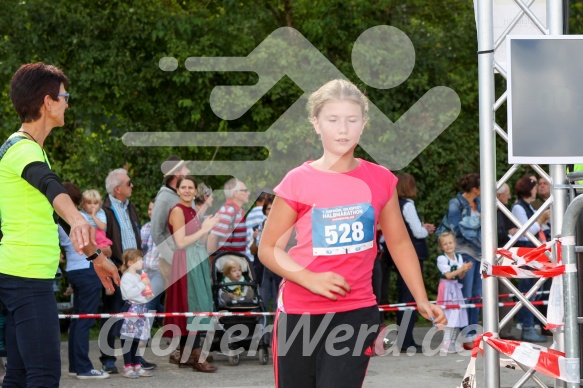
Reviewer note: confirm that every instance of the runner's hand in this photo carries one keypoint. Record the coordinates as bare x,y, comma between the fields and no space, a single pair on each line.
327,284
429,310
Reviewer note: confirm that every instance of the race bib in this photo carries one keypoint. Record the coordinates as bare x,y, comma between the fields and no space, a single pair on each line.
342,229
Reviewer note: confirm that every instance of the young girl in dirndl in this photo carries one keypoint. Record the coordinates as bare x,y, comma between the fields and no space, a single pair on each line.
449,292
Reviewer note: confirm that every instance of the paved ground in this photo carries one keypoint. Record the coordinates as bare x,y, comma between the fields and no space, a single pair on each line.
391,370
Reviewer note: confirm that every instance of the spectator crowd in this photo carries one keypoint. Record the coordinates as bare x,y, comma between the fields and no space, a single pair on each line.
165,264
181,217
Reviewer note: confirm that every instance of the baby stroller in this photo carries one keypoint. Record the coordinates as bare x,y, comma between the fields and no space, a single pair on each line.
245,332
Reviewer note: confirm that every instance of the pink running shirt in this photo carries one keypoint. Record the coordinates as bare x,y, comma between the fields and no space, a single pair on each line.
335,231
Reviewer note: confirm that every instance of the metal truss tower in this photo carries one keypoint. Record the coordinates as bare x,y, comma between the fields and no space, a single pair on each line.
487,66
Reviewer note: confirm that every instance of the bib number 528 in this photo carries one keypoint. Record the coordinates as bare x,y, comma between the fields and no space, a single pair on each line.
344,233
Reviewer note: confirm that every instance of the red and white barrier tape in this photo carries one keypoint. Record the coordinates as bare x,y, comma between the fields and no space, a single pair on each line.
469,380
539,270
523,255
538,259
510,295
385,307
547,361
516,255
534,253
162,315
260,314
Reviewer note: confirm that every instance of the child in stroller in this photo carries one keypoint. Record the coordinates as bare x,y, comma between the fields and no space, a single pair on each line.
235,290
233,280
234,284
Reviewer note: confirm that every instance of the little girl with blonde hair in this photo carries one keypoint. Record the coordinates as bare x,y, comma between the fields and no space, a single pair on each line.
451,268
94,214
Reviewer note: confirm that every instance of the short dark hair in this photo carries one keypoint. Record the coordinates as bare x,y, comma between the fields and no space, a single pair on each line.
74,193
406,187
469,181
187,178
29,86
262,197
524,185
268,201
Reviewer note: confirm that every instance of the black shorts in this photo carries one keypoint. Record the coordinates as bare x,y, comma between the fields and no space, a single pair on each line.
324,350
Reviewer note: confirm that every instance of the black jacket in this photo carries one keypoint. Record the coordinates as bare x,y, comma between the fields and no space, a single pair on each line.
113,230
504,225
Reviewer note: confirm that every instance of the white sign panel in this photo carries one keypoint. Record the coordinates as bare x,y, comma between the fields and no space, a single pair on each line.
545,99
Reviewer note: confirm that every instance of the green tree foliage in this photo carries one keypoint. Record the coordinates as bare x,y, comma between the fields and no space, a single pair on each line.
111,49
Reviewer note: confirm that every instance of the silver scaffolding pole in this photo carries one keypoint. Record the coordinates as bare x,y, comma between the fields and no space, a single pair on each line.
488,181
488,128
558,175
570,288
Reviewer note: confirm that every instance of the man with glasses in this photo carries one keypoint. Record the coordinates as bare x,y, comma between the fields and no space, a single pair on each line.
123,225
123,229
230,233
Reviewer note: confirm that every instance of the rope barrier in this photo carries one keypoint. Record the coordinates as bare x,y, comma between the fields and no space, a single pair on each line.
458,300
261,314
385,307
526,255
534,254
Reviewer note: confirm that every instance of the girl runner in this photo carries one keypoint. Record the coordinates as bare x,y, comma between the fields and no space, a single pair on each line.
334,203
